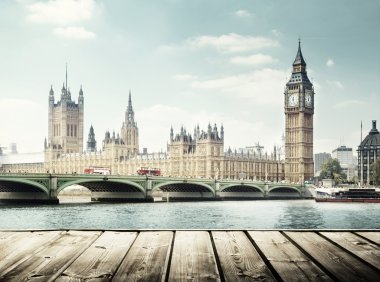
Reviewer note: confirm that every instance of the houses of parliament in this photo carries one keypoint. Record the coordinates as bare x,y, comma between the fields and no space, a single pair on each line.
197,154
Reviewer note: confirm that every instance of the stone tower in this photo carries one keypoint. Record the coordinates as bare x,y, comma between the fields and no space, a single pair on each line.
129,130
299,111
91,142
65,124
206,147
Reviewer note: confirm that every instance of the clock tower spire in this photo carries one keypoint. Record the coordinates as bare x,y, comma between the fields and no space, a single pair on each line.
299,111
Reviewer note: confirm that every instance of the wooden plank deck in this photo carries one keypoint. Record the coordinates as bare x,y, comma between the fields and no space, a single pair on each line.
194,255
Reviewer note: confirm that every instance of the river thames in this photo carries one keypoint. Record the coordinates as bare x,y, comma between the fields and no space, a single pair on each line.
267,214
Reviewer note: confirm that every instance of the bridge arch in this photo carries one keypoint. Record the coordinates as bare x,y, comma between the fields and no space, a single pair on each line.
21,185
183,183
284,191
252,187
91,184
182,190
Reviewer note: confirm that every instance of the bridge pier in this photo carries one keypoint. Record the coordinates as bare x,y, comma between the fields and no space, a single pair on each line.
119,197
53,195
27,198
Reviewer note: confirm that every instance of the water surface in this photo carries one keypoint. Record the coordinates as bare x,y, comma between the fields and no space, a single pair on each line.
267,214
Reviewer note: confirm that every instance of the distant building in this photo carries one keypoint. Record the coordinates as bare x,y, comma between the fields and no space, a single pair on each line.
368,153
319,159
91,142
13,148
346,159
25,162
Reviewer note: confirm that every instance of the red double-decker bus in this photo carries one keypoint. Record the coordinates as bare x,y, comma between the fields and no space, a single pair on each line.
97,170
149,171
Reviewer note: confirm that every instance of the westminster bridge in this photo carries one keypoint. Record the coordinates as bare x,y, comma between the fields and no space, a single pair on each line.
45,188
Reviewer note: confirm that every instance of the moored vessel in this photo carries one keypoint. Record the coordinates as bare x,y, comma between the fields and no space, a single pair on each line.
361,195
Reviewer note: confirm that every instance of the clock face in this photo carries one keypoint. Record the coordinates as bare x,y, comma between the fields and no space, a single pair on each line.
293,100
308,100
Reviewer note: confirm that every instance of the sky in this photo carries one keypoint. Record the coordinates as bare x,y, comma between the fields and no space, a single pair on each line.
187,63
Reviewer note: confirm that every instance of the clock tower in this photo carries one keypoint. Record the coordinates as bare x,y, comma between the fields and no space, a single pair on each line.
299,111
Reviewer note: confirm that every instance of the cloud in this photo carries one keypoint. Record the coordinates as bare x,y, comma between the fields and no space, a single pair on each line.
335,83
21,123
62,12
242,14
253,60
330,63
184,77
155,136
262,86
276,33
73,32
231,43
349,104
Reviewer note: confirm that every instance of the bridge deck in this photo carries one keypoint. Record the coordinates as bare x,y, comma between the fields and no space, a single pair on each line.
74,255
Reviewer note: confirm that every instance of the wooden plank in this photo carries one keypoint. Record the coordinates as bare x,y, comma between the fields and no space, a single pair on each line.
338,262
148,258
5,234
101,260
22,247
9,238
373,236
238,257
287,260
193,257
355,244
52,259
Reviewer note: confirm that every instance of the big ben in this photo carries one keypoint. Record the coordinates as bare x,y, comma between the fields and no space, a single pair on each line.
299,111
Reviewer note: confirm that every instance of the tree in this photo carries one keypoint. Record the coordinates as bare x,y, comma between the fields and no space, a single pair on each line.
375,167
331,169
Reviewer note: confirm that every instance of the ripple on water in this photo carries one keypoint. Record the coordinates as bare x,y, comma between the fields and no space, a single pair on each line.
268,214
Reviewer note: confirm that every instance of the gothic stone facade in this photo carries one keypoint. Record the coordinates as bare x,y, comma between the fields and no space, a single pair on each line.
299,111
65,124
200,155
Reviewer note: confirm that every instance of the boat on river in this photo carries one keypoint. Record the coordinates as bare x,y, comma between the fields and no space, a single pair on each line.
362,195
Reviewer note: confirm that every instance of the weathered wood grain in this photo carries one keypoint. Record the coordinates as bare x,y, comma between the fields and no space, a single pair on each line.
7,239
373,236
238,257
355,244
189,255
101,260
193,257
338,262
22,247
288,261
4,235
148,258
52,259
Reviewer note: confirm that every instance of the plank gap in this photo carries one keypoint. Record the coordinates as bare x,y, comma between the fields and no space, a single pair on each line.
310,257
352,253
263,257
366,238
170,258
75,257
217,260
121,262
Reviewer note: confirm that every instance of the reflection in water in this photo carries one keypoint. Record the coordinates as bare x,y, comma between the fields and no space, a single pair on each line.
300,217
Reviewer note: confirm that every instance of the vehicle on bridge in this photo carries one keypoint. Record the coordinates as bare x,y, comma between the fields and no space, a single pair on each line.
97,170
149,171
